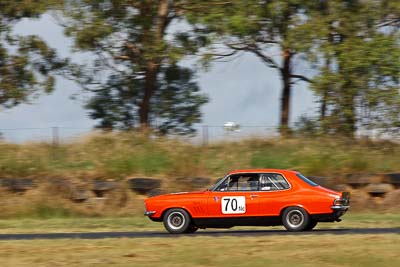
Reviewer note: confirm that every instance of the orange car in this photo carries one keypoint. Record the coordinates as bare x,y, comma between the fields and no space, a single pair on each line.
258,197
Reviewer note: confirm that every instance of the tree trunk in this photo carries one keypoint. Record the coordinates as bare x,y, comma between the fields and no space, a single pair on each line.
324,99
152,65
149,88
323,105
286,92
349,115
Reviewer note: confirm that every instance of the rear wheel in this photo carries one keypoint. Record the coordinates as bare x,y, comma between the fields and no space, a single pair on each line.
295,219
176,221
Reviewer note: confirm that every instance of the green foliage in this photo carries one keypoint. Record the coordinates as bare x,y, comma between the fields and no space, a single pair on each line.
27,64
356,56
307,127
353,45
136,78
261,28
175,104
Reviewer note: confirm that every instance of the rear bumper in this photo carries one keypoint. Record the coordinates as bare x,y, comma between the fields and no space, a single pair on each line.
337,212
340,208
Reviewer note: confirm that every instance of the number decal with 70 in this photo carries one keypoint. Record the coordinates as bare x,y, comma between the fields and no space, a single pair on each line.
233,205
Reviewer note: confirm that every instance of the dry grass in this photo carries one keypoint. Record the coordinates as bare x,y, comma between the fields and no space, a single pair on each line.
44,202
326,250
119,156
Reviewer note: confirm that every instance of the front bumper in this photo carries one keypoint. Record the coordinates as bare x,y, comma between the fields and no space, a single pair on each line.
149,213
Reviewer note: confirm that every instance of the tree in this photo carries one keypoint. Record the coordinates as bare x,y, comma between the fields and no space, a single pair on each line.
356,50
136,52
261,28
175,104
27,64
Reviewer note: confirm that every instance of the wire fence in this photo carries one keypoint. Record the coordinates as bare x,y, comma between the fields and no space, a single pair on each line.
211,133
203,135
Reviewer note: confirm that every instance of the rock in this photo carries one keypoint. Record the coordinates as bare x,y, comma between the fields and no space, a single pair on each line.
392,178
360,200
392,200
100,187
69,190
18,185
342,188
61,187
379,189
361,180
79,195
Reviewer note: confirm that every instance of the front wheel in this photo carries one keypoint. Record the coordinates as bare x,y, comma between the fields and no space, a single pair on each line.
176,221
295,219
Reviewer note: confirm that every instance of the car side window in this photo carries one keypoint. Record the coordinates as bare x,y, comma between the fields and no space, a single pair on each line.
242,182
273,182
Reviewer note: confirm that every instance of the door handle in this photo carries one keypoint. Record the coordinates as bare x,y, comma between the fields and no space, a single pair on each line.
253,196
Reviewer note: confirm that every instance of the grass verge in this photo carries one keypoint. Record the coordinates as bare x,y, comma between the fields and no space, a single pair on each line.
101,224
326,250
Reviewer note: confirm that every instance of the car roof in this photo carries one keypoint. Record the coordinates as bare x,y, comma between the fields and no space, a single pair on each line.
261,171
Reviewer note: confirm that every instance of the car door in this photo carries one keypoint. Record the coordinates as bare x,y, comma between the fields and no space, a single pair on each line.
274,193
237,196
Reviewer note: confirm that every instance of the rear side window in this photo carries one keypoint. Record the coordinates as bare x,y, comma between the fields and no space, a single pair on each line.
305,179
273,182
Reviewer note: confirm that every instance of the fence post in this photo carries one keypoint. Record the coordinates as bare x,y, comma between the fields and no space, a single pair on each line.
205,135
55,136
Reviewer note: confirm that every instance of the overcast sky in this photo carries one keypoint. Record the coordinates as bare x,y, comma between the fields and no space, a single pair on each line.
244,91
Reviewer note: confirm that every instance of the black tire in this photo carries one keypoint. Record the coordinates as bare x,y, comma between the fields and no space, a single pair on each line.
192,229
311,225
18,185
144,185
295,219
177,221
155,192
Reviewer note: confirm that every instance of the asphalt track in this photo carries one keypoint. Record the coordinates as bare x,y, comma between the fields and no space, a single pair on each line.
200,233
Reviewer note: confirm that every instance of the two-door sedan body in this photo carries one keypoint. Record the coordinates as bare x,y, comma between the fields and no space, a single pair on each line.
256,197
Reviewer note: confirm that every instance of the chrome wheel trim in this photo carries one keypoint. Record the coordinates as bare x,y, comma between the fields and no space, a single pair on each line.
295,218
176,220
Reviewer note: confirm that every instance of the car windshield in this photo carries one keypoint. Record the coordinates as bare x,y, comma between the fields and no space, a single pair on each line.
213,187
305,179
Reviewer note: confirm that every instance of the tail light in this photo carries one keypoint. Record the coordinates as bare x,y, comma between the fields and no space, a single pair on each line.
344,200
